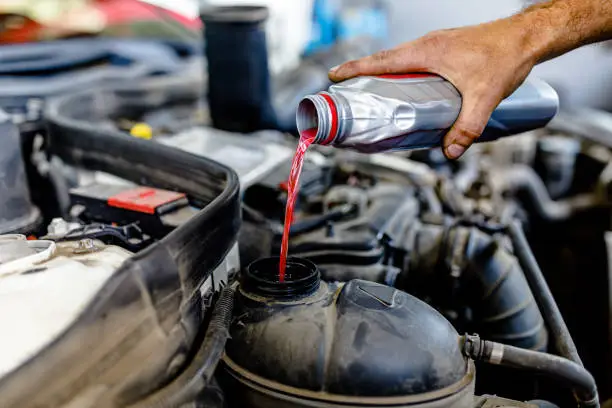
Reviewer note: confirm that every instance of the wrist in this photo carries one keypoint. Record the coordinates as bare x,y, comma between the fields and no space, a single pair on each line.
538,35
555,27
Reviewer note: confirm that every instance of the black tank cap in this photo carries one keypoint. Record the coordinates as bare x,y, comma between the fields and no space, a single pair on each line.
302,278
234,14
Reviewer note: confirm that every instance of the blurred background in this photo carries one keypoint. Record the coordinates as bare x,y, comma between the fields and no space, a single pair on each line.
302,27
581,77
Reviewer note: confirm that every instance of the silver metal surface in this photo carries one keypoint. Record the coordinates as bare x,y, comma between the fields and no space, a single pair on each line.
379,114
497,354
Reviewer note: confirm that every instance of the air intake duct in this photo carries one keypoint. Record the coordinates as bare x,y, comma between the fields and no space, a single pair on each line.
242,96
477,268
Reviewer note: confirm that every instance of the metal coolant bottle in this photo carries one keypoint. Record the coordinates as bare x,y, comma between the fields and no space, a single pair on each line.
374,114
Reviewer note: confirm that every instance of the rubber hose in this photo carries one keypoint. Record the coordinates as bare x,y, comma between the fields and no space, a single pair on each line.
434,206
200,372
503,304
544,298
310,224
523,178
487,277
558,368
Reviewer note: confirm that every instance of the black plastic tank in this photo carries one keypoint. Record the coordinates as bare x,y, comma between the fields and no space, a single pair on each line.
307,343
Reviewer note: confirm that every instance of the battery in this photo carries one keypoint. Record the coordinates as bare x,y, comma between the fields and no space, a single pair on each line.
156,211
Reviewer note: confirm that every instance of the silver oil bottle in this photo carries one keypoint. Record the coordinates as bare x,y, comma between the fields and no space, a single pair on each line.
403,112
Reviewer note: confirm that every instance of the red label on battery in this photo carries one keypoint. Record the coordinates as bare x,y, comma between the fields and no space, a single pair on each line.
144,199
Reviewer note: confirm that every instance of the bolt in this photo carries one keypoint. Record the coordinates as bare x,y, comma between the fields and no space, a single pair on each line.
58,226
85,245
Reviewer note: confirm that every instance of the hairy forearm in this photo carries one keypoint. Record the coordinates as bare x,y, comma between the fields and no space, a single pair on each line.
487,62
552,28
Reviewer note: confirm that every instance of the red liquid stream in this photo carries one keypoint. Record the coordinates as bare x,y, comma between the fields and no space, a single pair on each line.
306,139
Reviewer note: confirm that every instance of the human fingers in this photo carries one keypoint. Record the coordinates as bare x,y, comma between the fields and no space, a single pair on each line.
475,112
403,59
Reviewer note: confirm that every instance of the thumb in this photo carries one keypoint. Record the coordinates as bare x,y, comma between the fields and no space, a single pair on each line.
475,113
397,60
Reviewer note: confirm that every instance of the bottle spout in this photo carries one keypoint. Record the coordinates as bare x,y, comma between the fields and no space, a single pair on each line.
317,117
307,118
302,278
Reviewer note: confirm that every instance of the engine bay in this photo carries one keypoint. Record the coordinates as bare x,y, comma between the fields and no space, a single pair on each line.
139,244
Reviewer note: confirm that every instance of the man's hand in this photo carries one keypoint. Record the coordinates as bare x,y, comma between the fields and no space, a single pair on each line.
487,62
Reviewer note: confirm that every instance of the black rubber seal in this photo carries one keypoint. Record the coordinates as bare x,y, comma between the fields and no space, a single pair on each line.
234,14
302,278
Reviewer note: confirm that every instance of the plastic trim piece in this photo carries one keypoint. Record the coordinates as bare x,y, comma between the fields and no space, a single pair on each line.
153,300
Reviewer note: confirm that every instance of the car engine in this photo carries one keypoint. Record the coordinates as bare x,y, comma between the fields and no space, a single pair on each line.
139,243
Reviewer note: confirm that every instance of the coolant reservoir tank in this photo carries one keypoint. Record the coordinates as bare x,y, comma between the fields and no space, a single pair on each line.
44,287
304,342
